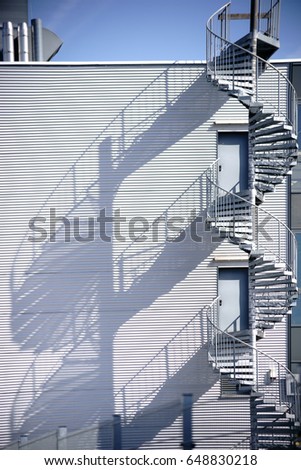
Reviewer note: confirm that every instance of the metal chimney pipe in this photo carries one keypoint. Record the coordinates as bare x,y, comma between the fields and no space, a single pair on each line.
8,42
23,42
37,40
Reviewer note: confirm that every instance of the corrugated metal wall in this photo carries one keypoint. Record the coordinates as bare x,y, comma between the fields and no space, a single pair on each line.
93,327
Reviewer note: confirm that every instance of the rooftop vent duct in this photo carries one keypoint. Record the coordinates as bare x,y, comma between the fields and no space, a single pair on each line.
8,41
23,42
37,40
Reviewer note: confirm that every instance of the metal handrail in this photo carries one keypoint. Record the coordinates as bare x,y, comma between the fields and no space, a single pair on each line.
281,397
212,37
292,242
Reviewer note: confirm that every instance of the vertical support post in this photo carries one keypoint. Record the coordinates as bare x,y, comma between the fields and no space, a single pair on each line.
61,438
257,76
37,39
234,359
257,371
117,443
124,404
253,418
23,440
233,65
254,31
280,385
215,52
187,443
278,94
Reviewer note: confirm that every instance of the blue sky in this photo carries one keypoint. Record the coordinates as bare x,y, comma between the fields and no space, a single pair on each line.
111,30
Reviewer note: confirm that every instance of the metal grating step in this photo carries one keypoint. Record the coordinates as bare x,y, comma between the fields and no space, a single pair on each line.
269,122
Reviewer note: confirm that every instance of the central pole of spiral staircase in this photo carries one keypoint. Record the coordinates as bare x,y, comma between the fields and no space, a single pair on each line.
254,14
254,33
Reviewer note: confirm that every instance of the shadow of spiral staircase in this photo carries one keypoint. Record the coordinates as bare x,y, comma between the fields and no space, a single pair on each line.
235,69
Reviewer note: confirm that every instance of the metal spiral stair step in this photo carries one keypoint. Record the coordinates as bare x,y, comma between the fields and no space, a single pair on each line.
267,297
272,311
274,273
272,129
269,413
261,298
265,187
238,227
235,237
259,116
281,171
283,158
268,122
227,346
285,164
270,318
240,76
230,85
275,138
281,282
261,304
258,259
232,210
281,423
268,179
236,218
282,289
267,266
272,146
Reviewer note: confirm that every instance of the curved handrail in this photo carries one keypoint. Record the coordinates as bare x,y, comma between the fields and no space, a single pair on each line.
291,114
292,242
211,309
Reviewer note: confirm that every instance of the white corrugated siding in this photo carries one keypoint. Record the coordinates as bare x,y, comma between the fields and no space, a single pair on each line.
79,326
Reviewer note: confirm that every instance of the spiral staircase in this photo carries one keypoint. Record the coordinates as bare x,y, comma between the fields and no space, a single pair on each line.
236,69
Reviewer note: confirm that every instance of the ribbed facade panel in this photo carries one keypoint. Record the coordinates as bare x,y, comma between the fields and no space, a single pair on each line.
92,327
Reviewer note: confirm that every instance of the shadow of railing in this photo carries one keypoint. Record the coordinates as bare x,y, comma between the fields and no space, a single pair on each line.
150,379
62,278
132,126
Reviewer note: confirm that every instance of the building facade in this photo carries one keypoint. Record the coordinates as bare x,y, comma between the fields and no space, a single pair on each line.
146,250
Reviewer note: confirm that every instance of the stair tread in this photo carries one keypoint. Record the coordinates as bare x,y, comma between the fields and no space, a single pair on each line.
279,146
276,138
273,130
268,122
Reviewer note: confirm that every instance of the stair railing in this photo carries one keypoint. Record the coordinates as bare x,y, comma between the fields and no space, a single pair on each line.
273,379
223,206
221,54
